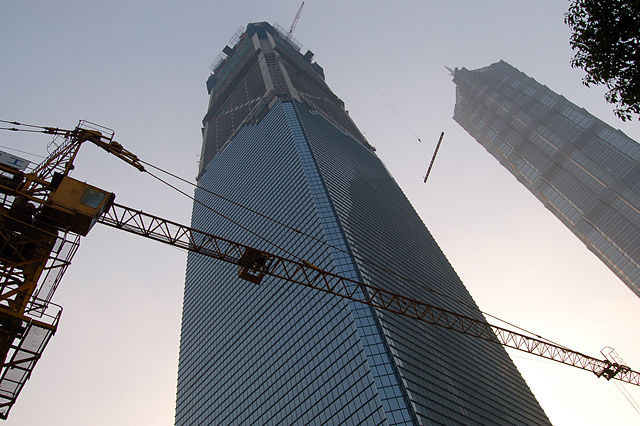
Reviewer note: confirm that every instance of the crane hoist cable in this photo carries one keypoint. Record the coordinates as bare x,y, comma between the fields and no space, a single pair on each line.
235,222
20,151
384,98
319,240
40,129
16,123
56,130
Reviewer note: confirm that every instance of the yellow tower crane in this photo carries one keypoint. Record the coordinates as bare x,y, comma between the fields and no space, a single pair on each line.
43,214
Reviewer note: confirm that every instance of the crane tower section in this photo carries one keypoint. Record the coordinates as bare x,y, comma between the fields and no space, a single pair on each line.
43,213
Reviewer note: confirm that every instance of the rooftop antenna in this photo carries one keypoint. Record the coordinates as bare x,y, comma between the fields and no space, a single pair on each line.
295,22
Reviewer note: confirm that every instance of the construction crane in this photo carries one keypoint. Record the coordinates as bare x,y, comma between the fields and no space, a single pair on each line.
43,213
43,210
295,22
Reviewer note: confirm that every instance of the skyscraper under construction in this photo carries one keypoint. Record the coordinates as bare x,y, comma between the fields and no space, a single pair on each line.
277,140
583,170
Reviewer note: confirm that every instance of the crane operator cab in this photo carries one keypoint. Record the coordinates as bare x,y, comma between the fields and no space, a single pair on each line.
74,205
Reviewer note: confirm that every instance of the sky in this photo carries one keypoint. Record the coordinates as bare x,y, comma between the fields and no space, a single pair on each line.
139,67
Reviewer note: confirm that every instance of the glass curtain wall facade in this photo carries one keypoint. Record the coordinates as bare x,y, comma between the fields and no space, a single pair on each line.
278,140
583,170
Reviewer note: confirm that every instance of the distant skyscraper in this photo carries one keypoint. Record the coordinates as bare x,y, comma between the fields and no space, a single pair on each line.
583,170
277,139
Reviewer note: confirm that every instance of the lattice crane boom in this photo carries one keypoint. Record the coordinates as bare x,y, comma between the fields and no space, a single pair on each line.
255,264
295,22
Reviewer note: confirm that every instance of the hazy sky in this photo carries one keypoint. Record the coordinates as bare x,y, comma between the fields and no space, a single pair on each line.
139,67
